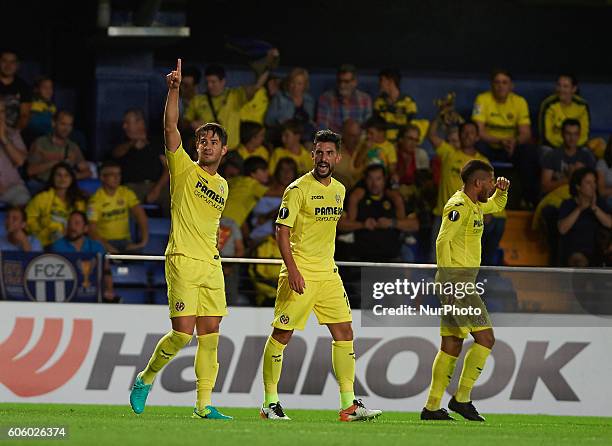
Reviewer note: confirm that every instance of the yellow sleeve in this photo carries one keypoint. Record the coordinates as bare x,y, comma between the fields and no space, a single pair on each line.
93,208
240,96
444,150
290,206
452,226
178,161
259,190
523,112
33,212
584,126
390,154
192,112
549,125
130,198
496,203
479,111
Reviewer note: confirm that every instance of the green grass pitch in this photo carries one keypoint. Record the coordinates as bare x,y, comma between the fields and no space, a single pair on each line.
94,425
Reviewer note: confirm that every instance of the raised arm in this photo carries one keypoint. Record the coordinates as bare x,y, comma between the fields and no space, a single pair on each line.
171,112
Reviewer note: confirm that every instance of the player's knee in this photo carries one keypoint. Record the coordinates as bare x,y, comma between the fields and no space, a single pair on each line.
282,336
451,345
486,339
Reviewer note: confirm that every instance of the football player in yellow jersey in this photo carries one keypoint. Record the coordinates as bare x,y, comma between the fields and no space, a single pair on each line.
309,279
458,255
196,290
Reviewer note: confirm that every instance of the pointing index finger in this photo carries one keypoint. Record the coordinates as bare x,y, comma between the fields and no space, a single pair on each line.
178,66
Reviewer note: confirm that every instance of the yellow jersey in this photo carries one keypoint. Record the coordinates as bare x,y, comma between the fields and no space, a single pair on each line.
303,159
244,193
312,211
501,120
459,240
48,216
396,115
383,153
452,161
552,115
260,151
111,213
197,200
255,109
227,107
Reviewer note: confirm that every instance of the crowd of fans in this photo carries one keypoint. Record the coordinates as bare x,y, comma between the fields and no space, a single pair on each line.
396,184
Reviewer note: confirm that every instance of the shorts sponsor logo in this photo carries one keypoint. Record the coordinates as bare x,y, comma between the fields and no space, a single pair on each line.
283,213
283,319
179,306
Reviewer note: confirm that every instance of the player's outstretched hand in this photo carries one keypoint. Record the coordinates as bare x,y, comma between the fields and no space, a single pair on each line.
173,79
502,184
296,281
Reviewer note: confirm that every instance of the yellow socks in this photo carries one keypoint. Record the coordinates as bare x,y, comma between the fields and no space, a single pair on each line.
343,361
473,364
272,367
441,373
167,347
206,368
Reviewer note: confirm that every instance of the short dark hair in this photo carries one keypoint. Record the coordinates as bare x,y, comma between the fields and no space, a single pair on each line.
253,164
498,70
328,135
372,167
347,68
406,128
569,122
192,71
59,113
248,130
40,79
391,73
375,122
215,70
82,214
216,129
577,178
473,166
109,163
467,122
570,76
19,209
294,126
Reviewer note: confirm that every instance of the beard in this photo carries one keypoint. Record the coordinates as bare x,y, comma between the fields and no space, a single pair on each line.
328,172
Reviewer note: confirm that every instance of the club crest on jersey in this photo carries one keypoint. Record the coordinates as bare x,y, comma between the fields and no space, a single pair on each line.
222,189
338,198
453,215
283,213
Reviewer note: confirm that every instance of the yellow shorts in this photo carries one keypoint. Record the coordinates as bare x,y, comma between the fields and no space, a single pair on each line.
462,326
460,332
326,297
195,287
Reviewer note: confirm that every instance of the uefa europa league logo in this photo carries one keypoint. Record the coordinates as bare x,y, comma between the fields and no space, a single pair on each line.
86,267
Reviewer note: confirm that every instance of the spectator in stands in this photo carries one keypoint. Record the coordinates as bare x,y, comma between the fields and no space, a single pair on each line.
246,190
395,108
109,211
377,149
559,165
42,111
293,103
190,79
49,210
505,130
344,102
16,238
143,165
292,147
221,104
266,210
231,165
57,147
252,135
76,240
410,157
346,170
14,92
604,175
377,215
564,104
13,154
582,219
255,110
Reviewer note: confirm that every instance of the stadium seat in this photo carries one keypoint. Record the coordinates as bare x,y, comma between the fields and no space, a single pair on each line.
160,226
130,274
158,274
89,185
157,244
133,295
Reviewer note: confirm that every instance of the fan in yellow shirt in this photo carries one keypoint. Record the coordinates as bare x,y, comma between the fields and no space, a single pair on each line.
376,149
292,147
109,211
49,210
246,190
564,104
458,260
252,136
196,288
